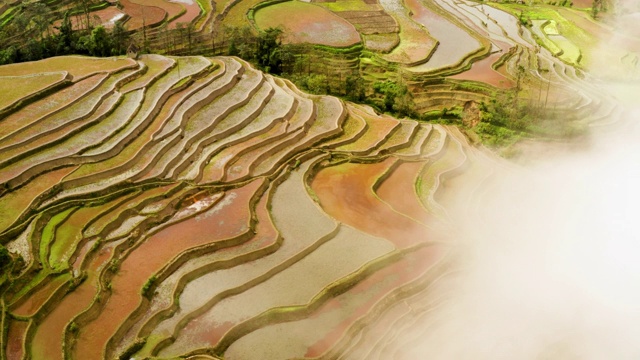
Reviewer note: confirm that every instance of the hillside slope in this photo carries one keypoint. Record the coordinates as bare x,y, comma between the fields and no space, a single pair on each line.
195,206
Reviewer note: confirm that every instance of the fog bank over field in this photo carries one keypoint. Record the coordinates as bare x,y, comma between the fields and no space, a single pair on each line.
549,256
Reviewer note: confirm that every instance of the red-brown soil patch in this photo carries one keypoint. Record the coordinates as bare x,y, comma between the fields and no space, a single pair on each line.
370,22
482,71
50,333
583,4
345,192
192,12
227,219
173,9
12,205
108,16
15,339
307,23
266,236
142,15
33,303
104,17
408,269
398,191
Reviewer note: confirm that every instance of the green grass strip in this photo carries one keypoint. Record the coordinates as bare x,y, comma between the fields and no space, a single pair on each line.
48,235
8,15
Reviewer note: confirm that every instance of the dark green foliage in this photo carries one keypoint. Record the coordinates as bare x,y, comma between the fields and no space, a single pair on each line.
355,88
524,20
9,55
120,38
5,258
32,51
315,83
146,288
74,328
65,38
269,50
100,42
397,98
76,281
265,50
114,266
503,111
494,135
96,42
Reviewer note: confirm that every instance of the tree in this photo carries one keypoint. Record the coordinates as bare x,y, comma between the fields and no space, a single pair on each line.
316,84
354,87
288,59
9,55
120,38
241,42
39,14
65,43
268,54
32,50
5,258
189,32
397,97
99,42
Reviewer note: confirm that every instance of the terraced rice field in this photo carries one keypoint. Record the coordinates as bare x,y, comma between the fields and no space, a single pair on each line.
483,71
141,15
455,43
307,23
195,208
191,12
416,44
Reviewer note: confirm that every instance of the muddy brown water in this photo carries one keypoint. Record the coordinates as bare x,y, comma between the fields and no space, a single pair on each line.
408,269
227,219
482,71
345,193
398,191
49,334
15,338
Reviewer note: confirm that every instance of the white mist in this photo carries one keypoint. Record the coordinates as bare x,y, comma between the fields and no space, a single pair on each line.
551,262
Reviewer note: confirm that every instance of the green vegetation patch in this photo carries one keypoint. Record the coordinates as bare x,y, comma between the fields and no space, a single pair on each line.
348,5
570,52
550,28
48,235
12,89
543,39
581,39
7,15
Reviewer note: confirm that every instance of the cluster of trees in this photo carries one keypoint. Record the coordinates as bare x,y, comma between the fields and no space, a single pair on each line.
307,67
396,97
264,49
44,40
9,265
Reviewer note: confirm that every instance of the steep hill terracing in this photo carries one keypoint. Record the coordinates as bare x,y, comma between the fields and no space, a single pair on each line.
197,207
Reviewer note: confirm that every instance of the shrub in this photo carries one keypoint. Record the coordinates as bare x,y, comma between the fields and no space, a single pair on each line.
5,258
146,288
